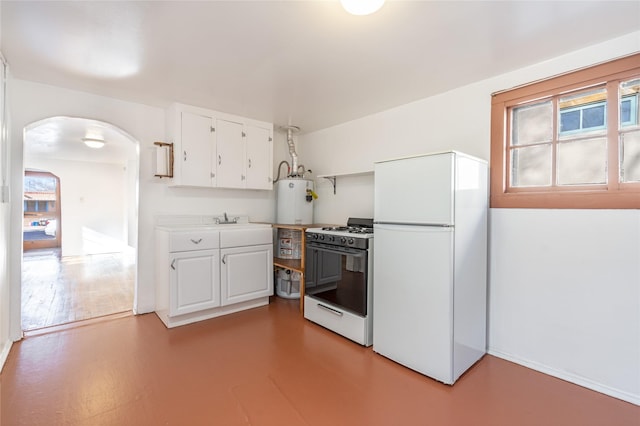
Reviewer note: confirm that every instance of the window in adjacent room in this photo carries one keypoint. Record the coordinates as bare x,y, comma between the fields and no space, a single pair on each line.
572,141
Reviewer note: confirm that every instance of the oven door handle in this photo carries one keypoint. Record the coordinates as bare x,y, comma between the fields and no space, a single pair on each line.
328,309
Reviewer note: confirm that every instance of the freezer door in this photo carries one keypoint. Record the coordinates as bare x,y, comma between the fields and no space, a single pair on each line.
417,190
412,298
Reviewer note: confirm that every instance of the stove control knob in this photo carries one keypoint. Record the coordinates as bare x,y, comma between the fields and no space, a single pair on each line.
332,238
343,240
315,236
322,236
351,241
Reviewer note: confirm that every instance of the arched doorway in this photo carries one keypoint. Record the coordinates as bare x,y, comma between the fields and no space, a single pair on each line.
92,272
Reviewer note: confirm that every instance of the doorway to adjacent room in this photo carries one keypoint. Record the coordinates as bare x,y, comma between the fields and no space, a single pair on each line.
79,223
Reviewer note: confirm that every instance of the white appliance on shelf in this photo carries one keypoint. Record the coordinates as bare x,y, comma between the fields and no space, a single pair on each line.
294,201
430,262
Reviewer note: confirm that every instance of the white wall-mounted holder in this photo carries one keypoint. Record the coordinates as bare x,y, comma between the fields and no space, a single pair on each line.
331,179
163,164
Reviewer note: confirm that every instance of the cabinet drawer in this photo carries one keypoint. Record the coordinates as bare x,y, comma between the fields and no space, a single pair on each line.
193,240
345,323
246,237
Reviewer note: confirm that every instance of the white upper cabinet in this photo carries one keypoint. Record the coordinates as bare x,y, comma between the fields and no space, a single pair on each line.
259,158
214,149
231,154
198,148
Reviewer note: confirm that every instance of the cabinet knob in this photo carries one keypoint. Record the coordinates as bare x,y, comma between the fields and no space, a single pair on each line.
219,159
198,241
173,264
249,162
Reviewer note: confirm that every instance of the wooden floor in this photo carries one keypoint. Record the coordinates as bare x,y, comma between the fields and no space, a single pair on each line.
268,366
59,290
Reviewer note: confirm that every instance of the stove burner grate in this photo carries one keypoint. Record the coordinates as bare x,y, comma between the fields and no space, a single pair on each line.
335,228
349,229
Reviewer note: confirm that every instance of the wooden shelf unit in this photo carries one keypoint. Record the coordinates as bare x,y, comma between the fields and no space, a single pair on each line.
296,265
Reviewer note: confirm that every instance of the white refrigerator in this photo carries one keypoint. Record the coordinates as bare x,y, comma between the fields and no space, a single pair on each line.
430,262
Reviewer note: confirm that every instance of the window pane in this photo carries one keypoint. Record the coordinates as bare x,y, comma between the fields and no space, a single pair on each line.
569,120
629,102
593,117
532,124
582,162
582,111
531,166
630,170
625,111
39,184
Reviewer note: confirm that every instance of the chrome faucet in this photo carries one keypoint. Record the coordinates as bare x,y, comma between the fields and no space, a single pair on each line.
226,219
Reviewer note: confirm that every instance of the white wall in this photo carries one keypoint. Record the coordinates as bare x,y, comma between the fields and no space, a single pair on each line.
565,294
93,199
30,102
605,357
131,205
5,291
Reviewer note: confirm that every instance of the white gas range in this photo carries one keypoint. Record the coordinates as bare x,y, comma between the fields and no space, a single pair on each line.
339,278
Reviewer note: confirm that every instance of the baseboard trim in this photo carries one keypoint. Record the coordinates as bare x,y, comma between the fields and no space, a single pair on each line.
569,377
5,353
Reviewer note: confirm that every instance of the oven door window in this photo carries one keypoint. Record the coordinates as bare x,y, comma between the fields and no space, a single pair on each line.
338,278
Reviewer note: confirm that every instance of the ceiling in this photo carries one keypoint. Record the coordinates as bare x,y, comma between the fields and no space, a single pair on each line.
62,138
306,63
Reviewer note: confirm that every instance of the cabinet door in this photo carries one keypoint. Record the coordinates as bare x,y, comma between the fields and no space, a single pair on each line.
230,155
195,281
247,273
259,146
198,147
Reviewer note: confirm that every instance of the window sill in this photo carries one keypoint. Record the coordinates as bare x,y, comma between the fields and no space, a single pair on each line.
629,199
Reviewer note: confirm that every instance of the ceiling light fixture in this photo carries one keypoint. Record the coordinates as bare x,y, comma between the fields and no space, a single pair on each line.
361,7
93,142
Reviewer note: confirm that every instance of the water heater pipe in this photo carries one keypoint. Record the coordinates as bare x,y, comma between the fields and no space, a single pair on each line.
292,148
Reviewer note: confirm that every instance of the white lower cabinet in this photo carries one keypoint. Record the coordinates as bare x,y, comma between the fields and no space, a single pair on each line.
246,273
195,281
202,274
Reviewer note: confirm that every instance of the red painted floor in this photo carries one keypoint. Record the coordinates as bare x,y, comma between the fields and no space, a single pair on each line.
267,366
